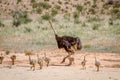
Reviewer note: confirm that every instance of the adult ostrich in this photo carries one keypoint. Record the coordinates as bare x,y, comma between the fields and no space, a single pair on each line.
70,44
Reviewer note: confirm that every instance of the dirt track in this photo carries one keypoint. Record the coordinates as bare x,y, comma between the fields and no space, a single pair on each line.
110,67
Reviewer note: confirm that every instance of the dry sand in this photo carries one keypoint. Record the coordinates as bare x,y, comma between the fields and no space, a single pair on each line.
109,70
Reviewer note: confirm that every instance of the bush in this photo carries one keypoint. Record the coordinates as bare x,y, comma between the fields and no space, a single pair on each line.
115,13
46,0
32,1
27,29
92,10
79,7
45,5
18,1
46,16
95,26
57,7
34,5
67,16
59,2
76,17
20,17
116,5
84,24
54,12
105,6
110,21
1,24
94,6
39,10
7,52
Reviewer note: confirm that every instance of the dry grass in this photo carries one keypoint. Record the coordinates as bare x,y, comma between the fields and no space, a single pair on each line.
96,31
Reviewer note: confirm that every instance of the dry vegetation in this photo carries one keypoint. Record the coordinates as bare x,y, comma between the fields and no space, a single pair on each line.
24,25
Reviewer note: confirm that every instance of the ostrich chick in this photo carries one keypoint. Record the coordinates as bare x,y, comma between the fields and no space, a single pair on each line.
1,58
97,64
83,63
13,58
32,62
46,59
40,61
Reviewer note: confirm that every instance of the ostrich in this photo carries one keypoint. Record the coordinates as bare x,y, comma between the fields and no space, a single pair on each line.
83,63
13,58
68,43
46,59
97,64
32,62
40,61
1,58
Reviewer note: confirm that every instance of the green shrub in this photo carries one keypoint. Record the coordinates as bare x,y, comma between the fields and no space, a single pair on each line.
95,26
32,1
84,24
46,0
16,22
59,2
39,10
105,6
102,0
20,17
54,12
116,5
118,15
115,13
1,24
110,21
67,16
34,5
46,16
94,1
18,1
27,29
94,6
92,10
45,5
79,7
66,2
58,7
7,52
76,17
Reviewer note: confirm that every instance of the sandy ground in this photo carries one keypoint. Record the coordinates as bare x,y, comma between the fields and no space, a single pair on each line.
109,70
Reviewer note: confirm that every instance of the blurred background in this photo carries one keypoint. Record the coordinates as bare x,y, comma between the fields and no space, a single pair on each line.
24,24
